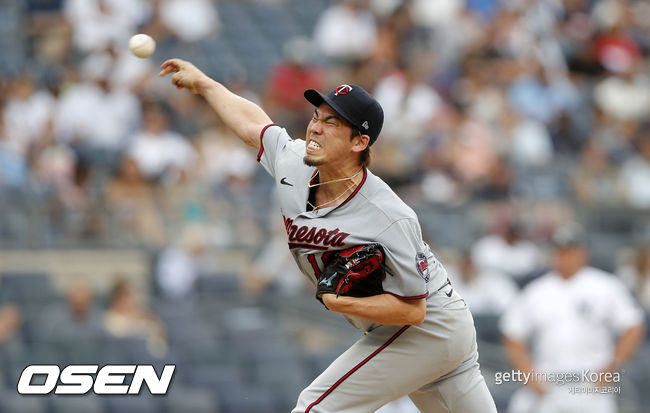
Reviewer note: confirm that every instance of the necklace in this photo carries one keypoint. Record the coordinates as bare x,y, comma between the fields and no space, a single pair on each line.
316,207
333,180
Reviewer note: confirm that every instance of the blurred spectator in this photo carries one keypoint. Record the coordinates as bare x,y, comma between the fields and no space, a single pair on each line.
99,24
480,91
436,13
53,167
594,178
179,266
82,321
130,72
222,156
126,317
10,323
27,113
273,268
189,20
408,99
529,142
80,303
109,115
485,292
507,252
616,48
635,175
532,94
616,138
131,202
48,30
636,276
473,149
624,96
288,80
160,153
13,168
497,184
70,186
332,31
575,318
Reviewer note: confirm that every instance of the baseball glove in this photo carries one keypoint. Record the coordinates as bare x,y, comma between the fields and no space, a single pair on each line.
355,272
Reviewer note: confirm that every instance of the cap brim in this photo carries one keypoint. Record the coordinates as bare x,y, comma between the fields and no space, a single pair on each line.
316,98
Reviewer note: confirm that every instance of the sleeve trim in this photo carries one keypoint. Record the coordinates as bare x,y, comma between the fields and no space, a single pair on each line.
412,297
259,154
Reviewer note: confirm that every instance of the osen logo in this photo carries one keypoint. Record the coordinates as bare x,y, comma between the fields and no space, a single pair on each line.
80,379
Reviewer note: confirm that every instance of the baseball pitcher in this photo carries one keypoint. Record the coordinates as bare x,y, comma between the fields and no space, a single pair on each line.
362,247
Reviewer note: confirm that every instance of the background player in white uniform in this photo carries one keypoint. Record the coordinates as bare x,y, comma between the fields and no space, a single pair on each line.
419,334
572,317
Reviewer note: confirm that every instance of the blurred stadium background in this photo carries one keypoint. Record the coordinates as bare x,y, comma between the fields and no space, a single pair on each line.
135,229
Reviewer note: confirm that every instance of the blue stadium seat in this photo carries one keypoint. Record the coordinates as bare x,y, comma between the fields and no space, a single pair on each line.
27,286
204,351
88,403
316,363
255,341
248,399
126,349
281,372
143,403
487,327
218,284
217,378
11,402
183,399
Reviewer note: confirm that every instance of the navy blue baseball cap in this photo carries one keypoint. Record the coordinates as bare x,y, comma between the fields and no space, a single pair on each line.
355,105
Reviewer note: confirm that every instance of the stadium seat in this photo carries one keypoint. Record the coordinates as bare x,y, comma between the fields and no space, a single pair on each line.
144,403
487,327
27,286
316,363
182,399
203,350
12,402
220,379
170,310
218,284
248,399
87,403
126,349
283,373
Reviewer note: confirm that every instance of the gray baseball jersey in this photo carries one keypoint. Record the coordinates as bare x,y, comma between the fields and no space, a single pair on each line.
374,213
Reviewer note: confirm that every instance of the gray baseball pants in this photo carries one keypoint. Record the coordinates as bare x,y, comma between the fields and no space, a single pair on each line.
435,364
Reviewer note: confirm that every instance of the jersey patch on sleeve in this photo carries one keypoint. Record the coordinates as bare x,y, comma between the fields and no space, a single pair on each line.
422,265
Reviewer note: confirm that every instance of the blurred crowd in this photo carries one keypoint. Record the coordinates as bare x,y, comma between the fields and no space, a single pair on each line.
479,96
527,111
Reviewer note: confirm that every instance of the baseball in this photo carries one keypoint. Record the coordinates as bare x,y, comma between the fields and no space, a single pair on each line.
142,45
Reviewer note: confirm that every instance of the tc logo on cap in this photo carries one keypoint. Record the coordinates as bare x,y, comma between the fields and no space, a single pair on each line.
342,90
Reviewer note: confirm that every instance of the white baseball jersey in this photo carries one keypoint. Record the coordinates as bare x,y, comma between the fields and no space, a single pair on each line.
573,322
572,325
372,213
